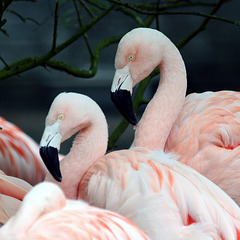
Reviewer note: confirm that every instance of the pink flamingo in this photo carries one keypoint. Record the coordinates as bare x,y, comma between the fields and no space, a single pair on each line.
19,154
46,214
202,128
163,197
12,192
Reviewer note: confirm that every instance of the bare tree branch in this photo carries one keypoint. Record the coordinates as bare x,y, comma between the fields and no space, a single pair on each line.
31,62
58,65
202,26
85,36
127,5
151,6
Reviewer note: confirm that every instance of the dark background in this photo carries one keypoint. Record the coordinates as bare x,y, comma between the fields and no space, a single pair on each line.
211,58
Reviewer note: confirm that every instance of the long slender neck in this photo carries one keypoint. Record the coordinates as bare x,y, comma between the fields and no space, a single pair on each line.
153,129
89,145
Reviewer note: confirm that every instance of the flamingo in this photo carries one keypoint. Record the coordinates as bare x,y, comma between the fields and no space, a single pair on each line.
19,154
163,197
46,214
203,129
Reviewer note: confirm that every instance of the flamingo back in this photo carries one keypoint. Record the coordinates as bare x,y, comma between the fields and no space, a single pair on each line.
46,214
152,187
86,224
19,154
206,136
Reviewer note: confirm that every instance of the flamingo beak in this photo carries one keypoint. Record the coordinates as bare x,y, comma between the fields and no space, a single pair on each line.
49,147
121,94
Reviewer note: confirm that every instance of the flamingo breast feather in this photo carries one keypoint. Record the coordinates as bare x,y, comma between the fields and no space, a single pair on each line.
136,182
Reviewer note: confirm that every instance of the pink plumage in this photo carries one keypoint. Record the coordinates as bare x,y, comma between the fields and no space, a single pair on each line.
202,128
46,214
19,154
163,197
12,192
206,136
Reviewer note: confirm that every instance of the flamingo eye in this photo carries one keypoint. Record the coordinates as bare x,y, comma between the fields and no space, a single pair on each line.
61,117
131,57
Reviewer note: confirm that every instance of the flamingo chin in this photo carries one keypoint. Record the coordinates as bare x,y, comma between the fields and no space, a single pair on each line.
123,101
50,158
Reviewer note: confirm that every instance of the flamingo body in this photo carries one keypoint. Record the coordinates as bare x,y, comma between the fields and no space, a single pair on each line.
206,136
19,154
46,214
153,187
163,197
202,128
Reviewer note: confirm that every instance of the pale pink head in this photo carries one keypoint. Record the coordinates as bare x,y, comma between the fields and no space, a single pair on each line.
138,53
68,114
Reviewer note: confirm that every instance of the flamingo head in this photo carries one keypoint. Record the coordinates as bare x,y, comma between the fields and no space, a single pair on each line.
138,53
68,114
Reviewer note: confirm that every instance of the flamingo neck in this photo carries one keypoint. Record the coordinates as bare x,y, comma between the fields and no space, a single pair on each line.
89,145
155,125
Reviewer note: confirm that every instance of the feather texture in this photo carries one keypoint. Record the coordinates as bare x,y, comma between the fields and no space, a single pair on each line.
46,214
19,154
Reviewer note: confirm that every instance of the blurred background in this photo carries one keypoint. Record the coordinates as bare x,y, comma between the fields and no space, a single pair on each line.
211,58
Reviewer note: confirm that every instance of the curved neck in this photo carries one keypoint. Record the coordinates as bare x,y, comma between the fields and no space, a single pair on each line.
153,129
89,145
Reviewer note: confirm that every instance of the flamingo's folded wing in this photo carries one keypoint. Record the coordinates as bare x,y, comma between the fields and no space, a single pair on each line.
8,207
13,187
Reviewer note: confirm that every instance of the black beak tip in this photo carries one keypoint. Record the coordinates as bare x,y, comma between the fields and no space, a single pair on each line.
49,156
123,101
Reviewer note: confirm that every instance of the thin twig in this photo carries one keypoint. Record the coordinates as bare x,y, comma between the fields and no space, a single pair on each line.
164,6
201,27
85,6
55,27
16,14
23,19
62,66
4,62
93,3
2,22
85,36
175,13
4,31
157,18
130,13
3,6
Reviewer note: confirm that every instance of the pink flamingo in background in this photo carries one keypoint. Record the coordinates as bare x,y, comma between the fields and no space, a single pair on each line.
46,214
12,192
202,128
163,197
19,154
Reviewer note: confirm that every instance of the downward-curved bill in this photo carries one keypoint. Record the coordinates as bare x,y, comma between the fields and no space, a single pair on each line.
121,94
49,146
